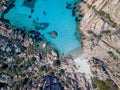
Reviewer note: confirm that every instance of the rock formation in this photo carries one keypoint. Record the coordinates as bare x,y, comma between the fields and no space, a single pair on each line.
100,31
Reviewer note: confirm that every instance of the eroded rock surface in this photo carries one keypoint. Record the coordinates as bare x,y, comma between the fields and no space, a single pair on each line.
100,28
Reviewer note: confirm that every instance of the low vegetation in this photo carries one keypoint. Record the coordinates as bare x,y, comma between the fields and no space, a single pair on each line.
103,85
112,55
107,16
106,32
95,35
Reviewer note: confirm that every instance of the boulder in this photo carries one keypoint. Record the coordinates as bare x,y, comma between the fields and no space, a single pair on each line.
53,34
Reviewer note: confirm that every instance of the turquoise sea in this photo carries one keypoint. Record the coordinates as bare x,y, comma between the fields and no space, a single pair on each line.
53,15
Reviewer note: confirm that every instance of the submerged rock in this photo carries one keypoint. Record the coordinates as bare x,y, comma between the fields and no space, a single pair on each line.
29,3
43,25
53,34
77,19
44,13
68,6
40,25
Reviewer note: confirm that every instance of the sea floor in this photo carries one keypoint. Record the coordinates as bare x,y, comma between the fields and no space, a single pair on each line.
49,17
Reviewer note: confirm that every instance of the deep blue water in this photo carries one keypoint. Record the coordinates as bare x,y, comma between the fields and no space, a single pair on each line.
52,12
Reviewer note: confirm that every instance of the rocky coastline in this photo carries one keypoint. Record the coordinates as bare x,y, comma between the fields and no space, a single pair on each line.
22,66
23,63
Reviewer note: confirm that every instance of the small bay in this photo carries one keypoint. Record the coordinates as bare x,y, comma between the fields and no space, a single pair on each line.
54,19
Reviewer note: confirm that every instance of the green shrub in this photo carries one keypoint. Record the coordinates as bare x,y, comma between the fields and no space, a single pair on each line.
110,53
40,69
103,85
106,32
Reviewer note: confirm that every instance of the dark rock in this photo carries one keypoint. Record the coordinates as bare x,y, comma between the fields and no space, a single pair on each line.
77,19
27,65
4,66
62,71
11,85
57,53
73,13
38,39
80,16
6,21
25,81
40,56
7,26
3,85
15,32
44,68
18,85
29,16
34,58
75,3
22,33
58,62
18,42
12,49
74,8
35,35
1,55
32,10
51,82
22,48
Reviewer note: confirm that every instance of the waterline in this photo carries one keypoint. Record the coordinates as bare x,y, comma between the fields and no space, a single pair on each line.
55,14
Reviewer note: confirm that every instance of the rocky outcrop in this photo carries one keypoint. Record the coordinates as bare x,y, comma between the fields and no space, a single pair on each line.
2,5
100,28
5,4
22,63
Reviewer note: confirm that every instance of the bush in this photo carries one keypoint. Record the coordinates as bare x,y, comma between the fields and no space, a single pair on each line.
56,63
40,70
110,53
103,85
106,32
32,60
3,85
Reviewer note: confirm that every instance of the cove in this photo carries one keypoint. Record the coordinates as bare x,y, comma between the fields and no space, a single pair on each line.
52,18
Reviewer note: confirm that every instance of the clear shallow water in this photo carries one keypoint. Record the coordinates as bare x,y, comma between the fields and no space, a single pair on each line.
53,12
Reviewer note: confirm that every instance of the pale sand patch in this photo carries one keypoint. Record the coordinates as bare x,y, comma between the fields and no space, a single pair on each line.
81,63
